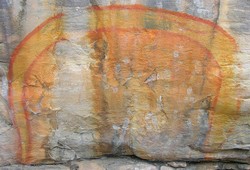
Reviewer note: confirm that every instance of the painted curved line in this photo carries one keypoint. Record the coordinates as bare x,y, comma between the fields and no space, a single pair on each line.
197,43
23,153
22,43
164,11
25,158
26,113
223,54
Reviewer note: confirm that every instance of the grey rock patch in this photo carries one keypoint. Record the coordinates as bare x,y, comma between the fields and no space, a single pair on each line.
177,164
128,163
200,8
239,15
73,3
166,168
41,167
66,146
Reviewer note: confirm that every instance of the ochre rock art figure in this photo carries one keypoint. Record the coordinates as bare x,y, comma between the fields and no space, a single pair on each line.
155,75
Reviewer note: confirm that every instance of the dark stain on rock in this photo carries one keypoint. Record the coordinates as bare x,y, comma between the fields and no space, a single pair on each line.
73,3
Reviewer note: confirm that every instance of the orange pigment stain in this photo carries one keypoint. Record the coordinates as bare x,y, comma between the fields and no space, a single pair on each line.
34,47
166,54
140,53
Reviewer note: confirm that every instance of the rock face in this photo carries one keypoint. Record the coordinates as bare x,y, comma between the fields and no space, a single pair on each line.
163,80
125,163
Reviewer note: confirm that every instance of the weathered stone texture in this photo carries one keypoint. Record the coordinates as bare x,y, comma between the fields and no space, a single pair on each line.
126,163
163,80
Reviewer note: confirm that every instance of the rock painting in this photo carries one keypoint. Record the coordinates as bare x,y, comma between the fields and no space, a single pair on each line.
154,73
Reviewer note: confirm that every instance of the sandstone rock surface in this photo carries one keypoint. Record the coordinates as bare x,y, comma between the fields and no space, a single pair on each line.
126,163
163,80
